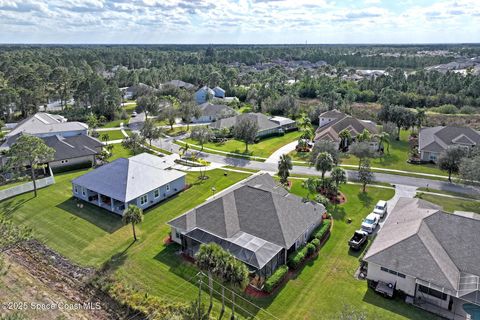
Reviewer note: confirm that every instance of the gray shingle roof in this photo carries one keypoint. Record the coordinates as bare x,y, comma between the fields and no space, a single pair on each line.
208,109
263,121
180,84
45,123
331,130
257,207
437,139
420,240
127,179
73,147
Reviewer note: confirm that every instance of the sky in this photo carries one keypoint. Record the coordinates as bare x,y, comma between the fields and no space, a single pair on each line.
239,21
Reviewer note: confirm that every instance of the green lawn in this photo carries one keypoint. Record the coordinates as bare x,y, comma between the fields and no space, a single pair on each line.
263,148
324,286
114,123
130,107
112,134
452,204
92,236
119,151
457,194
395,160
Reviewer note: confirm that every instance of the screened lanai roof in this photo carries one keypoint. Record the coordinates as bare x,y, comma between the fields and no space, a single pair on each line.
245,247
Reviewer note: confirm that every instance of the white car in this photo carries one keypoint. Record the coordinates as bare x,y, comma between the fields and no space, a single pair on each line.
381,208
370,223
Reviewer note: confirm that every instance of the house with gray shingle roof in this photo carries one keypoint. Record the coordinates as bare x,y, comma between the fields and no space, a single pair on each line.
267,126
433,141
429,255
143,180
332,122
212,112
257,221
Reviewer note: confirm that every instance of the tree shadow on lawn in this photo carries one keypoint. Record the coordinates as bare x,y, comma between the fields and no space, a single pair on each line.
187,270
9,207
396,305
338,213
365,199
102,218
115,261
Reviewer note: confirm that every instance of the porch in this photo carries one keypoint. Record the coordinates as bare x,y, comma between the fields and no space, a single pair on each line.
105,202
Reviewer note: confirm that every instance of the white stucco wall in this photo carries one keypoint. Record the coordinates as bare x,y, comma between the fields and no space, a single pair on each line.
406,285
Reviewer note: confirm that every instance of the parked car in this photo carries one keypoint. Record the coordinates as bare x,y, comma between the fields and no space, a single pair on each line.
358,239
381,208
370,223
134,114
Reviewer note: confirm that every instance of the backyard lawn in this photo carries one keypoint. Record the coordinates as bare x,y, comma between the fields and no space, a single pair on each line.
112,134
452,204
92,236
119,151
264,148
114,123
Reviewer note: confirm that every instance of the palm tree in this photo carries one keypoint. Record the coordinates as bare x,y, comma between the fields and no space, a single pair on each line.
206,259
345,137
133,215
383,139
184,149
364,136
421,117
324,163
338,176
284,165
236,274
311,185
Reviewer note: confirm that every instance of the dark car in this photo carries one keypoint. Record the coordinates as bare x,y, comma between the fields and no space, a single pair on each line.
358,239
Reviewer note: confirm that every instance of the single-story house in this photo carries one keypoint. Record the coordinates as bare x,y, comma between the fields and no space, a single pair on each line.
43,125
257,221
180,84
429,255
134,91
73,152
267,125
204,94
434,140
332,122
212,112
143,180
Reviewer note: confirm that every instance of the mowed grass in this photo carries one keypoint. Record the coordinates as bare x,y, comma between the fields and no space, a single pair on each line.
92,236
397,158
324,286
452,204
112,134
264,148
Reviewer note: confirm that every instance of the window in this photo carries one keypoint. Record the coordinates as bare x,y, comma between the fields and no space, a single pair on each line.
432,292
75,189
84,191
398,274
433,156
167,187
143,199
156,193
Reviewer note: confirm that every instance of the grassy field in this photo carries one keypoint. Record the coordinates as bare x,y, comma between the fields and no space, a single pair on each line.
114,123
264,148
452,204
396,160
119,151
13,184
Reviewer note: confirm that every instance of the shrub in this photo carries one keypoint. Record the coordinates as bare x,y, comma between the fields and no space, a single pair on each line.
316,243
446,109
468,110
274,280
297,258
310,249
320,232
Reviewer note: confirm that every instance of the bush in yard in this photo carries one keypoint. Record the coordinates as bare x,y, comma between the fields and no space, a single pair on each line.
320,232
316,243
297,258
310,249
275,279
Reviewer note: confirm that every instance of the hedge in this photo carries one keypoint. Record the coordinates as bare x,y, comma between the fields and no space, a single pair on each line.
320,232
297,258
274,280
316,243
310,249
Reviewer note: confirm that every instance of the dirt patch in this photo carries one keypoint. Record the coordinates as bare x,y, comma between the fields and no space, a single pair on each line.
68,281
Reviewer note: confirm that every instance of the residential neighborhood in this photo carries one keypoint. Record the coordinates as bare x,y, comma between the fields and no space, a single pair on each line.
234,164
